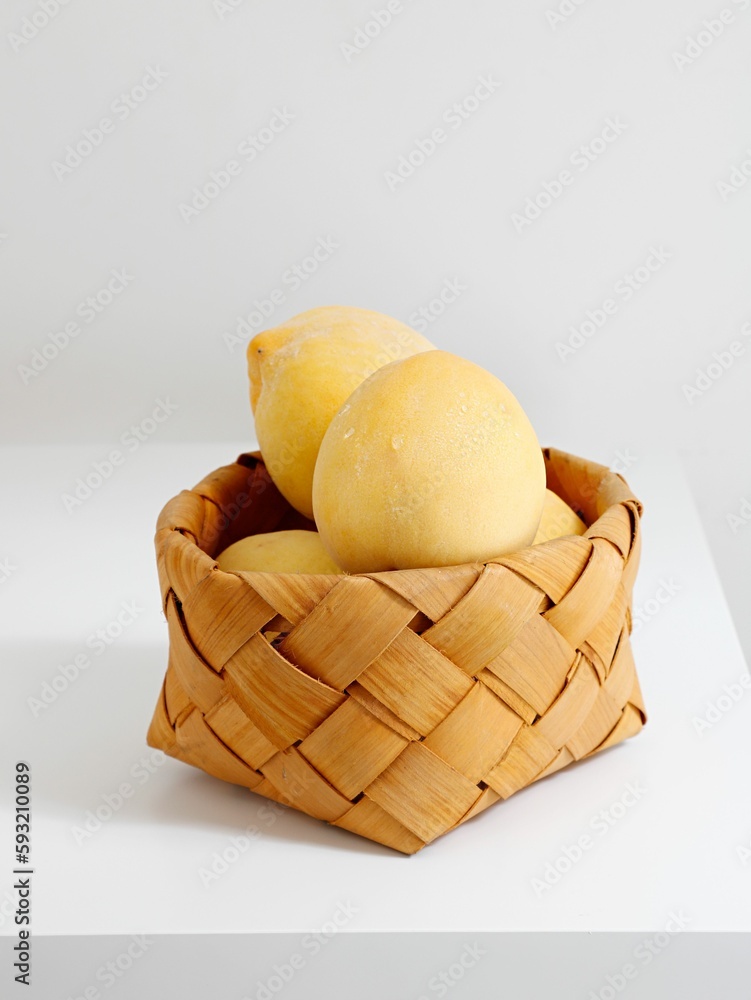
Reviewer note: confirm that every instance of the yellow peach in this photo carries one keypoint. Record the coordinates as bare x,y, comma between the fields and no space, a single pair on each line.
557,520
301,373
278,552
431,462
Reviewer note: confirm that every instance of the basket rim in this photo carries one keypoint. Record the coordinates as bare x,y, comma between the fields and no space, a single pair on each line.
609,484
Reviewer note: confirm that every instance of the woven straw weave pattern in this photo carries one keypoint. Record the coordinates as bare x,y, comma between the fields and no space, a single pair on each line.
396,705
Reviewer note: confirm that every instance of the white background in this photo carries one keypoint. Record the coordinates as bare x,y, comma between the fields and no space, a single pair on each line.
619,398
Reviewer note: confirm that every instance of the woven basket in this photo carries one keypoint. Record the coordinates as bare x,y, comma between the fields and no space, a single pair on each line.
396,705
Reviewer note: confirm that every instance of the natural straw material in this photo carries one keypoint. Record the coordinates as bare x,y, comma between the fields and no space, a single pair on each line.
396,705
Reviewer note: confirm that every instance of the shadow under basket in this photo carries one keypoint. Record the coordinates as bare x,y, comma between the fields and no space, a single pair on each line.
396,705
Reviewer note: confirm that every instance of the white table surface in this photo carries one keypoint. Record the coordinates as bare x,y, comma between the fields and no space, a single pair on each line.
676,849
